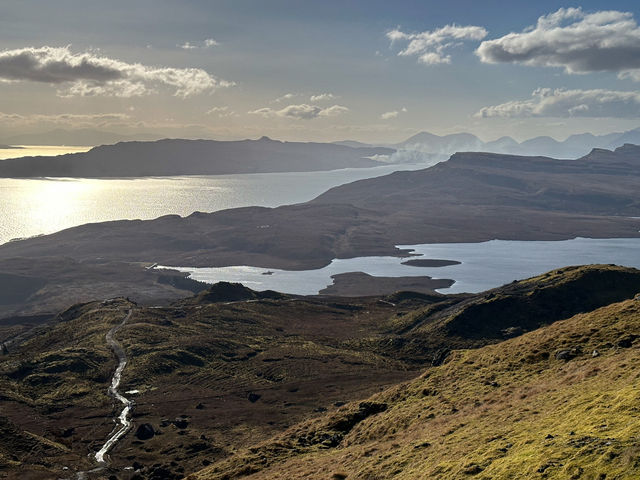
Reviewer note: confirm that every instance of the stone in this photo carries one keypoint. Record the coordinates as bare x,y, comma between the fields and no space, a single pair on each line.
145,431
253,397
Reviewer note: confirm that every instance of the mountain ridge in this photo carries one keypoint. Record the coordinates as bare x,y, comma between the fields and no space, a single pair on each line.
170,157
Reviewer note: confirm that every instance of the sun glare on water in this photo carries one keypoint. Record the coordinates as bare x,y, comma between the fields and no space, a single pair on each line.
39,150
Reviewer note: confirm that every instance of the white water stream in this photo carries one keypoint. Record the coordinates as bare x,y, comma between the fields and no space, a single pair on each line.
123,419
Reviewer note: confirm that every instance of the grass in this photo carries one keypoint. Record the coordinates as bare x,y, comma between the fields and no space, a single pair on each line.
511,410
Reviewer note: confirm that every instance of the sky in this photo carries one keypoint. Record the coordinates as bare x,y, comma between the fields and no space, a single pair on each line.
372,71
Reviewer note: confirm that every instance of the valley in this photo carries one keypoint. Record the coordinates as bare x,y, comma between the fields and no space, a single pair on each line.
230,367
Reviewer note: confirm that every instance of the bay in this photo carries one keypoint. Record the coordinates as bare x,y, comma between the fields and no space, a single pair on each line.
483,265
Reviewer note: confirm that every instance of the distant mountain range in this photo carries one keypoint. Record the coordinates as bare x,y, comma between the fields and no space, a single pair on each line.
195,157
574,146
424,143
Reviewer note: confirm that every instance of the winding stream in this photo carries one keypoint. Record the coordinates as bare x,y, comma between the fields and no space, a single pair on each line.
123,419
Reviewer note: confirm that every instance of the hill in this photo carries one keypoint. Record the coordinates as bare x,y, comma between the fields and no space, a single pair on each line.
230,367
558,402
193,157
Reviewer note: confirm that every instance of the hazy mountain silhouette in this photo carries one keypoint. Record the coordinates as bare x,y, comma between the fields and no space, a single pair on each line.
194,157
574,146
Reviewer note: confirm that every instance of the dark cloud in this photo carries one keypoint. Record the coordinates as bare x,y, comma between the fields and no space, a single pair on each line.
90,74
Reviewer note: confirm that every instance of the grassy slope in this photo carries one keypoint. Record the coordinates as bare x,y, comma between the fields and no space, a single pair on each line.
511,410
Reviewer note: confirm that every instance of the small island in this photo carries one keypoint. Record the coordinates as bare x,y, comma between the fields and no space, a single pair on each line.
356,284
430,262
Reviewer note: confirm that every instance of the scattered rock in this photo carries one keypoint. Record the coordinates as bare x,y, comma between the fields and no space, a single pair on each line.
595,353
253,397
199,406
440,356
338,404
197,447
549,437
181,423
339,476
145,431
626,341
565,354
472,469
511,332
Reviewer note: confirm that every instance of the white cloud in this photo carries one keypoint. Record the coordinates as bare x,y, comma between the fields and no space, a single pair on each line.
574,40
286,96
221,112
545,102
392,114
207,43
302,111
87,74
322,97
431,46
389,115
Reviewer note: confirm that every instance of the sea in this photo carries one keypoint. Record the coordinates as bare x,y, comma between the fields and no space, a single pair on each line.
31,207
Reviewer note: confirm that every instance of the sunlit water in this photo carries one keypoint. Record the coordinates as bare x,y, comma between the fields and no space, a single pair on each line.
30,207
39,150
484,265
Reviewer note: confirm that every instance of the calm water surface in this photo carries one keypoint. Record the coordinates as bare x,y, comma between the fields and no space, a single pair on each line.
39,150
484,265
30,207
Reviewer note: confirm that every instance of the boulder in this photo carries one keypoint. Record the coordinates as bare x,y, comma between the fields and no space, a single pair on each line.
145,431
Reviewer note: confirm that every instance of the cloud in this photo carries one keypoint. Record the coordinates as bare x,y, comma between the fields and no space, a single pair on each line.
73,119
545,102
302,111
579,42
392,114
321,97
431,46
207,43
87,74
221,112
286,96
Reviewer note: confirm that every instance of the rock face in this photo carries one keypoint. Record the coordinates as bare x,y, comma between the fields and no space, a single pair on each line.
145,431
